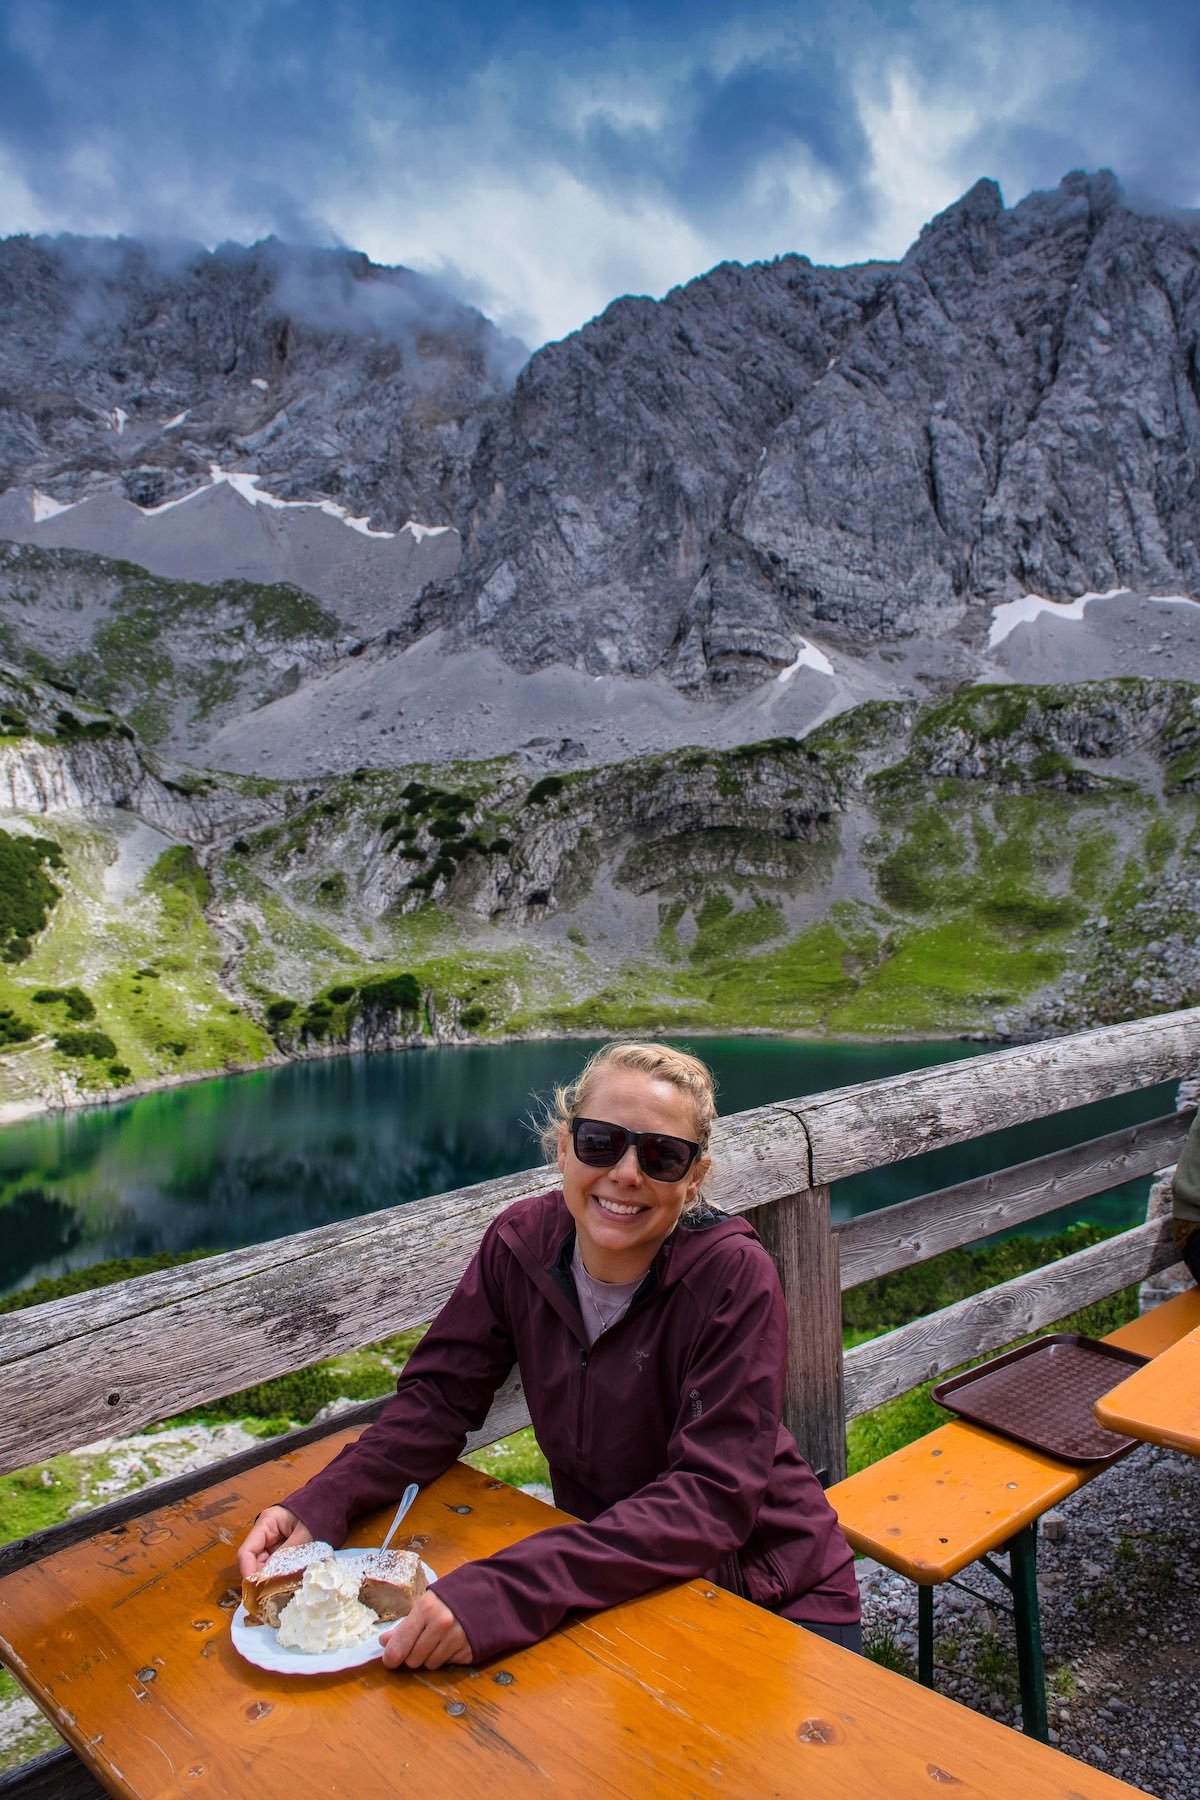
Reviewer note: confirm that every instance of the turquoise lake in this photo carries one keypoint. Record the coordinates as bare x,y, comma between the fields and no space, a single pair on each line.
242,1159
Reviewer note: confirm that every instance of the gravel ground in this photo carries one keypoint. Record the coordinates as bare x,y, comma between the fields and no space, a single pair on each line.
1119,1576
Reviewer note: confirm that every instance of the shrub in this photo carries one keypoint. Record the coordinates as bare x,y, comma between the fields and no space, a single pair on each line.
86,1043
400,993
27,895
13,1030
73,998
545,789
120,1071
472,1017
447,828
279,1010
499,846
297,1396
103,1274
339,995
389,821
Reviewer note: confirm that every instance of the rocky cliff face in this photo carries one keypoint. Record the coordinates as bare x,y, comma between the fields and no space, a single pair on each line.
59,754
686,487
173,657
328,376
885,450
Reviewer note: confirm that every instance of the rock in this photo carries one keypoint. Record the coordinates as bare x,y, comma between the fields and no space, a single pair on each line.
129,367
882,450
688,487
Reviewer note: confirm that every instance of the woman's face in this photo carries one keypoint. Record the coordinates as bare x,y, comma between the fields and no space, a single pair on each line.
622,1216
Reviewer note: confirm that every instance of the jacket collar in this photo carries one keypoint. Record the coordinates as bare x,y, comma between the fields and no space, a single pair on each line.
541,1235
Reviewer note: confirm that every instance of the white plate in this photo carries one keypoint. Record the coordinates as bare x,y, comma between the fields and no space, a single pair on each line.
260,1645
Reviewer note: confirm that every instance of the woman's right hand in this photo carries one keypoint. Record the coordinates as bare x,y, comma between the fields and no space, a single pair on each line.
270,1532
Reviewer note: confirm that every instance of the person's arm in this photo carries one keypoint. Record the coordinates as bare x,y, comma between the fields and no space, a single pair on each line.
443,1393
1185,1186
702,1506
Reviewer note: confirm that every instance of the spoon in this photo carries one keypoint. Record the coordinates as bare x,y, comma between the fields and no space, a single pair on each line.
406,1500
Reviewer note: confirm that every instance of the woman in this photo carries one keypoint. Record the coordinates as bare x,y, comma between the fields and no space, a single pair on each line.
650,1332
1185,1201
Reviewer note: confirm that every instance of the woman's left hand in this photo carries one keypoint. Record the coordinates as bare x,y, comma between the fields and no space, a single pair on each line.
428,1638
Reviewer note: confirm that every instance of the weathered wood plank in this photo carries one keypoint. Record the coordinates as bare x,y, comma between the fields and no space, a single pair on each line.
796,1232
59,1775
928,1347
881,1122
509,1413
114,1513
877,1243
107,1362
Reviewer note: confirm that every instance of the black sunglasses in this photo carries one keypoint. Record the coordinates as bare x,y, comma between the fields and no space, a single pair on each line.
600,1145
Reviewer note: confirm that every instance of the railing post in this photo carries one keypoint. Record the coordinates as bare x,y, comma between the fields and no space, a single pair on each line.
796,1230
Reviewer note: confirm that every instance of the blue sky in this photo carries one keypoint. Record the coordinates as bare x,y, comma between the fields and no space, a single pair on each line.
543,159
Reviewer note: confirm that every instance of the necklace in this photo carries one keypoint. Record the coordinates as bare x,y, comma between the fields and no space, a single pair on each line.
589,1289
610,1318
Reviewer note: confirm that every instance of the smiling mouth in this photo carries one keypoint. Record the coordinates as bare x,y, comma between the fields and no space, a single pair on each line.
616,1210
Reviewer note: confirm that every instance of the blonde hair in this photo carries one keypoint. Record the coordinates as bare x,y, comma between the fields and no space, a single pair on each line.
662,1062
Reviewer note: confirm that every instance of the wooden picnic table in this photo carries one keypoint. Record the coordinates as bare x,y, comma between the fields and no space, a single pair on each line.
1160,1402
124,1642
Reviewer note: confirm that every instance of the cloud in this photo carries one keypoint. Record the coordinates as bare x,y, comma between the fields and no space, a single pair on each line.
552,156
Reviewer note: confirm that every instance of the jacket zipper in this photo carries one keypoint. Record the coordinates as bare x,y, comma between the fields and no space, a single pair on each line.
583,1363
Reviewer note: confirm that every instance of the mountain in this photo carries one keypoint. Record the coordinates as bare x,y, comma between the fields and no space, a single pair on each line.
821,653
791,488
1006,860
138,366
852,454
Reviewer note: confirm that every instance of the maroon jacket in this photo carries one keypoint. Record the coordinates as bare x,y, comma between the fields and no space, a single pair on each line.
664,1438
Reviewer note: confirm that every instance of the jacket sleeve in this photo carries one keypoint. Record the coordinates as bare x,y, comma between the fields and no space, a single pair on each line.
702,1507
443,1393
1185,1188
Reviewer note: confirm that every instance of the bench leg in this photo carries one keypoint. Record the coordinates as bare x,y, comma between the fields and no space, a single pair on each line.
925,1635
1022,1562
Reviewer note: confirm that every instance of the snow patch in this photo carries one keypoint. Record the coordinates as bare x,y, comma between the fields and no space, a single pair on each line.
1012,613
177,420
807,657
247,486
46,507
257,381
118,418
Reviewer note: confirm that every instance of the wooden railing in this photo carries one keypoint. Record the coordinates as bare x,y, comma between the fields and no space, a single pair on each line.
111,1361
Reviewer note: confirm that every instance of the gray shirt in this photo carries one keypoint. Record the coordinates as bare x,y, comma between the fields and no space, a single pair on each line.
601,1303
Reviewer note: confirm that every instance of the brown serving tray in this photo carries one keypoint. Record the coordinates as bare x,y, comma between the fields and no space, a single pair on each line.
1042,1395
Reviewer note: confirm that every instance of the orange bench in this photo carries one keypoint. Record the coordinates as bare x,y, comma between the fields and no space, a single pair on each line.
961,1492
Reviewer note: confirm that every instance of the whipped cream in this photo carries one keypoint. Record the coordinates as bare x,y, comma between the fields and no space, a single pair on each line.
325,1612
